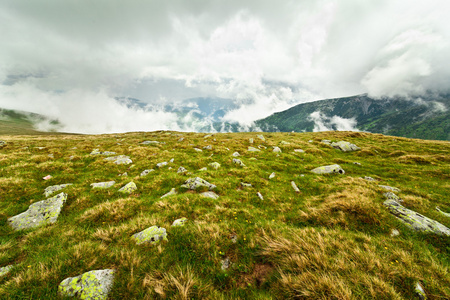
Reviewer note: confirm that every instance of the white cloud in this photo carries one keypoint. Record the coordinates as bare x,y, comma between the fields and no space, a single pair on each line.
324,123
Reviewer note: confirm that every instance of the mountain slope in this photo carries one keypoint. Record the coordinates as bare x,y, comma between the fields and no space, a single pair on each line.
426,118
18,122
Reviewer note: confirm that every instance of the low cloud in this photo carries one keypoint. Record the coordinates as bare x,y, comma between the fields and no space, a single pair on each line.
324,123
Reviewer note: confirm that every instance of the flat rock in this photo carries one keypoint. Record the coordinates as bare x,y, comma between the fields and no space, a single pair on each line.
253,149
39,213
5,270
214,165
389,188
179,222
173,191
150,235
299,150
345,146
103,185
54,188
120,159
276,149
198,150
146,172
209,195
226,263
194,183
238,162
161,164
415,220
128,188
328,169
90,285
150,143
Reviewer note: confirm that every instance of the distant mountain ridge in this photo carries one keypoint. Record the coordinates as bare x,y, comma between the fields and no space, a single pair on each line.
425,117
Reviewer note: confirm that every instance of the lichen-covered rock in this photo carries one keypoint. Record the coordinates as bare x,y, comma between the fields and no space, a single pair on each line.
236,154
195,183
243,184
253,149
150,235
128,188
261,137
392,196
226,263
146,172
250,140
103,185
161,164
39,213
173,191
5,270
90,285
181,170
238,162
389,188
209,195
415,220
150,143
2,144
120,159
272,175
294,186
328,142
54,188
444,213
179,222
420,292
328,169
214,165
345,146
276,149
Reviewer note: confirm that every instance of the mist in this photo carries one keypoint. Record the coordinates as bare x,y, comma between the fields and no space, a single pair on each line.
69,60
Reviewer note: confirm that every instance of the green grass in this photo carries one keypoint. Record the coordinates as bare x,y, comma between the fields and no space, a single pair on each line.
330,241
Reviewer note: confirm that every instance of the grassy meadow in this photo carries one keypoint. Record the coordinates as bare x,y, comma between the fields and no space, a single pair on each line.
331,240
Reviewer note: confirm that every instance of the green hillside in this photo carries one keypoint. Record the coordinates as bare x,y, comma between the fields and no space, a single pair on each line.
332,239
13,122
428,119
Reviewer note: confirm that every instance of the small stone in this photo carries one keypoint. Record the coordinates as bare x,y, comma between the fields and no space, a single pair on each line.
39,213
389,188
328,170
392,196
179,222
194,183
328,142
209,147
420,292
261,137
173,191
253,149
171,160
203,169
149,143
394,232
345,146
234,238
47,177
299,150
211,195
51,155
124,174
214,165
207,136
2,144
243,184
272,175
284,143
238,162
262,147
294,186
368,178
5,270
119,160
146,172
90,285
356,163
250,140
198,150
128,188
54,188
276,150
236,154
103,185
181,170
181,139
310,141
150,235
161,164
444,213
226,263
260,196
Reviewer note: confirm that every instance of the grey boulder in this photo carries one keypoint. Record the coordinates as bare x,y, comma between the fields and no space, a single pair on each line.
345,146
194,183
329,169
90,285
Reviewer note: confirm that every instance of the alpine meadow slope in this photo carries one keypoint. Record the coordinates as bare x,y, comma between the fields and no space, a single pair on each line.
170,215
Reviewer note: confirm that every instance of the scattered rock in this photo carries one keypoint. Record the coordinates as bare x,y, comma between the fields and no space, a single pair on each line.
272,175
207,136
234,238
181,170
120,160
444,213
250,140
328,169
392,196
328,142
238,162
284,143
214,165
394,232
389,188
262,147
90,285
146,172
299,150
198,150
194,183
47,177
98,152
261,137
209,195
276,149
103,185
161,164
294,186
51,155
40,148
171,160
39,213
415,220
2,144
253,149
54,188
226,263
179,222
124,174
181,139
150,235
243,184
209,147
203,169
5,270
368,178
420,292
150,143
260,196
345,146
173,191
236,154
128,188
357,163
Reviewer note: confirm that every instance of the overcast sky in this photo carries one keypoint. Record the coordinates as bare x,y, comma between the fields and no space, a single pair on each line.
68,59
